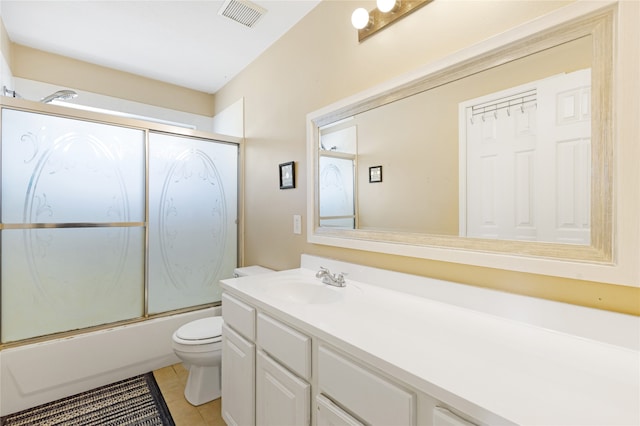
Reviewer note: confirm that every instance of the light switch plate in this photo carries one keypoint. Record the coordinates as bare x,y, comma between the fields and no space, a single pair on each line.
297,224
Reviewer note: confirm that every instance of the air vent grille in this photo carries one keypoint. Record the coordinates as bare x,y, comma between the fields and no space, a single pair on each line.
242,11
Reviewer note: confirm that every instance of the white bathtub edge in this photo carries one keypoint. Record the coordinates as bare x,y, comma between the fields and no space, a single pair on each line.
35,374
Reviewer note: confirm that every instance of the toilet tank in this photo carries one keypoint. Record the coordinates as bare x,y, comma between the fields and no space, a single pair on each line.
250,270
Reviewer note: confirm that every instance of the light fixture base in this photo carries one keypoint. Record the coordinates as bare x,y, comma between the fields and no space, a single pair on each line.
381,20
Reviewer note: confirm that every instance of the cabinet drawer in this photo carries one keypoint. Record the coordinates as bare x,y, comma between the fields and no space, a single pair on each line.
330,414
374,399
289,346
444,417
239,315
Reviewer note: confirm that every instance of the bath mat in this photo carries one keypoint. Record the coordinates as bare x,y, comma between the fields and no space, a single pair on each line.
134,401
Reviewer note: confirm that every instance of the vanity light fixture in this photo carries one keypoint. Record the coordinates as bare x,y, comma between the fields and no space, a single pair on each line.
387,12
385,6
360,19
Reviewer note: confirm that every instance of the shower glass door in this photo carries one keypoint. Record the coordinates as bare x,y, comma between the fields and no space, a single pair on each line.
192,220
103,223
73,208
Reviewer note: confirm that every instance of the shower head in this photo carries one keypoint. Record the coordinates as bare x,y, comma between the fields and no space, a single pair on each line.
63,95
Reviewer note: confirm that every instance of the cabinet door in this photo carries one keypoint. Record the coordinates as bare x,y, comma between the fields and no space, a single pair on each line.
238,379
282,399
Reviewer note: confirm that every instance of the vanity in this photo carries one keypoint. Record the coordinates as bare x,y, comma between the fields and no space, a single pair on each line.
396,349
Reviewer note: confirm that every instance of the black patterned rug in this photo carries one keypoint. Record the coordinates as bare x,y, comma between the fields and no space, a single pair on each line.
134,401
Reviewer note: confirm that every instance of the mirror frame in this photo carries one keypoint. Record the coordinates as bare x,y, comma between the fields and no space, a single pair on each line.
594,261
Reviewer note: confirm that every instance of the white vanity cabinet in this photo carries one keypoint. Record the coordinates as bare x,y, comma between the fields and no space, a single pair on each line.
401,350
238,362
267,376
266,368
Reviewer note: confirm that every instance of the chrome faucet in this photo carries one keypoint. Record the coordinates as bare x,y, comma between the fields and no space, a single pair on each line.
336,280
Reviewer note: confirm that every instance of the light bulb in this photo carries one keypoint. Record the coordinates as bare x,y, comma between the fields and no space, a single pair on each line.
385,6
360,18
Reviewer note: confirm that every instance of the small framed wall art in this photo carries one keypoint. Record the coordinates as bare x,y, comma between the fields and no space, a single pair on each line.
375,174
287,175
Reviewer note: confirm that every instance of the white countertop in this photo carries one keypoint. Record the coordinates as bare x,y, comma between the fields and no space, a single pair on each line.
470,359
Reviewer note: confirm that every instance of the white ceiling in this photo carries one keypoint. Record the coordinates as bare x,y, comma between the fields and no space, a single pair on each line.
180,41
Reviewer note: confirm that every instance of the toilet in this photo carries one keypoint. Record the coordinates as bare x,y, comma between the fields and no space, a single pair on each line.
198,344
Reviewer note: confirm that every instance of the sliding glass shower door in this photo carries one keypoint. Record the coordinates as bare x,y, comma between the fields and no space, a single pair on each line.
73,224
103,223
192,220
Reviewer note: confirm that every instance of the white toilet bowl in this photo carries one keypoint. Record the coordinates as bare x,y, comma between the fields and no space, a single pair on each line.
199,345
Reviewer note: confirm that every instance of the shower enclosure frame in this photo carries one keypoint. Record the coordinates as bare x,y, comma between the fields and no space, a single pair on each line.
147,127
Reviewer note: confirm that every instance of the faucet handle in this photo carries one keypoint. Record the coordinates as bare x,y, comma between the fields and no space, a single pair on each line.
339,278
322,272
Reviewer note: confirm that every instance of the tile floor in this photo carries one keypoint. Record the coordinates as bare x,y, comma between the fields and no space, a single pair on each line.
171,381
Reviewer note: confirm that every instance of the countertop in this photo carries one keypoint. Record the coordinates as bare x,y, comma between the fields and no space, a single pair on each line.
476,361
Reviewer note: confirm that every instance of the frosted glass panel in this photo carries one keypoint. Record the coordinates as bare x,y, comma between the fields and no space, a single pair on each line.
59,170
336,187
56,280
346,223
192,220
87,183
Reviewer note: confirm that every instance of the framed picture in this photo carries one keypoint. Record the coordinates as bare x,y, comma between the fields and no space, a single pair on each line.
287,175
375,174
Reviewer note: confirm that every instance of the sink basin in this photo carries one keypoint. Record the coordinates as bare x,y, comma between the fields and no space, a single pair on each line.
301,291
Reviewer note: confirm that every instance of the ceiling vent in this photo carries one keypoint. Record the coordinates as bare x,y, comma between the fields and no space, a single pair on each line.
242,11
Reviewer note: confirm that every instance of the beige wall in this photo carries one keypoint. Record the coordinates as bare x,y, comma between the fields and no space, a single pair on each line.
33,64
319,62
5,43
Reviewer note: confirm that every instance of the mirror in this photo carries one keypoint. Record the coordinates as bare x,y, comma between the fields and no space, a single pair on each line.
432,161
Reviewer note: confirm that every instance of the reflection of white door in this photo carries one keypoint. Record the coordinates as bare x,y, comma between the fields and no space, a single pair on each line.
526,163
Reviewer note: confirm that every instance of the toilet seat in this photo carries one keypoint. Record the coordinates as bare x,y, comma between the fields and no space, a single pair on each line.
200,332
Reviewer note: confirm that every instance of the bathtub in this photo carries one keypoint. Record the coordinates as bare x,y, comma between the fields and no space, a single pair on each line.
38,373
